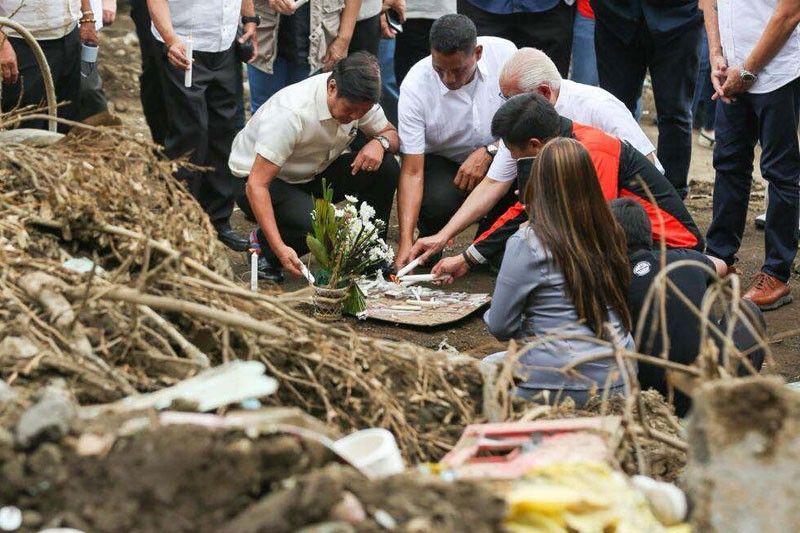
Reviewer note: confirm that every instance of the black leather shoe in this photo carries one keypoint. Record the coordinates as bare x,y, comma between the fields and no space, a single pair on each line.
232,240
268,271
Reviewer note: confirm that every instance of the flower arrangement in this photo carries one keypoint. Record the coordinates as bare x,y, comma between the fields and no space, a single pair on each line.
345,242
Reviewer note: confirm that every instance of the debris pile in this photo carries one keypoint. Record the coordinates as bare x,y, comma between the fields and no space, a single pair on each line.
154,303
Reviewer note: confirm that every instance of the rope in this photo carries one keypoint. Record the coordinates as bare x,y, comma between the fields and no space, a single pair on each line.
41,60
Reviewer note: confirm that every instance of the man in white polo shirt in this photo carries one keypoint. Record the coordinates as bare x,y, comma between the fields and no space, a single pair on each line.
445,112
754,48
297,139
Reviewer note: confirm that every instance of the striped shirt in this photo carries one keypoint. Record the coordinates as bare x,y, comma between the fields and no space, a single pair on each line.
45,19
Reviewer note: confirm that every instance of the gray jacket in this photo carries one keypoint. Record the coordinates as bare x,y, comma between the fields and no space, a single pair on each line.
530,302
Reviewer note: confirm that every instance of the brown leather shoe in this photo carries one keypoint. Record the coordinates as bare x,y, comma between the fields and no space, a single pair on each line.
768,292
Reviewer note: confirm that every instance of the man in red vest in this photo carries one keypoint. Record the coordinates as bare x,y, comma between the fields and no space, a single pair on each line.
525,123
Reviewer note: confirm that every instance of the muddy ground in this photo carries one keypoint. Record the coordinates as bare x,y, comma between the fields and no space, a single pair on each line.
119,65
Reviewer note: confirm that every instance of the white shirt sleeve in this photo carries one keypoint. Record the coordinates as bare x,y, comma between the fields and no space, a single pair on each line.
615,119
411,123
504,167
374,121
278,134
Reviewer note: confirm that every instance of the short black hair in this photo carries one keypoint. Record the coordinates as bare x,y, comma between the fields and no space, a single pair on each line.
358,78
525,117
453,33
634,221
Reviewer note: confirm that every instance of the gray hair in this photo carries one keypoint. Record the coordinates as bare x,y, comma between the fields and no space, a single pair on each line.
529,68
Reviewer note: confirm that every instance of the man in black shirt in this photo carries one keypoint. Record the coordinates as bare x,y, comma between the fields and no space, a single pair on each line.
684,327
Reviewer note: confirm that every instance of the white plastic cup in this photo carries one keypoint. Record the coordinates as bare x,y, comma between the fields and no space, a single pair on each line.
89,52
373,451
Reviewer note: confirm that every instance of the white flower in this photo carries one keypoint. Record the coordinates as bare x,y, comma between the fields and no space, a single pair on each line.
338,213
351,199
366,211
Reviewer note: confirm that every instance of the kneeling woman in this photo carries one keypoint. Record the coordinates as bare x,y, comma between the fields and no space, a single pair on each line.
564,280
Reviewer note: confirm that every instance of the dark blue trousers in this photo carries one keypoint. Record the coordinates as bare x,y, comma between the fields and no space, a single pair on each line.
672,61
771,119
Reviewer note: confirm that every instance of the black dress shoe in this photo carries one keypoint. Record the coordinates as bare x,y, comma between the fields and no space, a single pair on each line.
267,271
232,240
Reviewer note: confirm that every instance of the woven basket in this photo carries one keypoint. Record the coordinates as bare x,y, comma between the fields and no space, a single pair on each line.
329,303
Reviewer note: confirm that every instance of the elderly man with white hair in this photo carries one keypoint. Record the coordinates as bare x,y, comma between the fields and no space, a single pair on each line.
530,70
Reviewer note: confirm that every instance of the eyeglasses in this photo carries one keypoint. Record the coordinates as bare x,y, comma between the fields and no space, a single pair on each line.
503,97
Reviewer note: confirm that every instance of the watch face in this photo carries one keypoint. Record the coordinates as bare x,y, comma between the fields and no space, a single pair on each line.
748,77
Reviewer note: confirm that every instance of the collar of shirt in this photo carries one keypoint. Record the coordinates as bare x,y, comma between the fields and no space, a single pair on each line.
480,72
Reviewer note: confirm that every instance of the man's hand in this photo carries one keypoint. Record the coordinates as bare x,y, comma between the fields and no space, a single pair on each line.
397,5
284,7
176,54
734,84
337,51
250,34
450,269
719,74
369,158
473,170
109,12
428,246
386,31
88,33
8,61
403,255
290,261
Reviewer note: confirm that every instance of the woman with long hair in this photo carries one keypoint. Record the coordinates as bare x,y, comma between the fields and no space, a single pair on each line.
561,291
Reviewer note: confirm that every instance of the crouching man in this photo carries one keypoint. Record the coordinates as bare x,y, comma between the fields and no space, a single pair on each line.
297,139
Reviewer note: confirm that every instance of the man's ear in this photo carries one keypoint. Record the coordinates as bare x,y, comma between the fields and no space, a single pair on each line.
332,87
545,90
478,52
535,145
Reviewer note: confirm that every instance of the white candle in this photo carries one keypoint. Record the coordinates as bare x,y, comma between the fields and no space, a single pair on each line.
187,79
254,272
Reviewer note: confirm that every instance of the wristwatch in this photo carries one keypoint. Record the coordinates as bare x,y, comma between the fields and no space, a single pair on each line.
491,149
249,20
747,76
383,140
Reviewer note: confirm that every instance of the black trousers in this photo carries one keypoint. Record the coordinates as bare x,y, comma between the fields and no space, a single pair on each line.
771,119
673,63
293,204
151,91
412,45
550,31
366,36
441,198
201,125
64,58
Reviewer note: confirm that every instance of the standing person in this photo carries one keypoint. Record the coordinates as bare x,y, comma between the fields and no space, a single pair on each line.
445,112
298,139
634,36
564,280
93,100
543,24
367,33
584,58
151,91
59,27
755,68
413,44
704,108
291,48
201,121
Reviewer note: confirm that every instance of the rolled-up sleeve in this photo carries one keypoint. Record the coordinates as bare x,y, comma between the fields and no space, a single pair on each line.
278,134
411,123
374,121
504,167
518,278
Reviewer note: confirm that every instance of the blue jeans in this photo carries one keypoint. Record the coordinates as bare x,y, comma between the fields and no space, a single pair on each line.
584,59
263,85
703,105
390,91
771,119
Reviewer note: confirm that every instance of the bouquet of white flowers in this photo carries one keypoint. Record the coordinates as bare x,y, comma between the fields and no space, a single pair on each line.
346,243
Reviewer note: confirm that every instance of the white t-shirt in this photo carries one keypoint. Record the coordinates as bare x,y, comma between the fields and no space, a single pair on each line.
741,23
295,131
432,119
369,8
45,19
590,106
429,9
212,24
